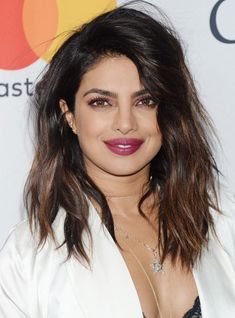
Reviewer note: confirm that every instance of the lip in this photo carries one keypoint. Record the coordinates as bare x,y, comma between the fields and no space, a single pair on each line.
123,146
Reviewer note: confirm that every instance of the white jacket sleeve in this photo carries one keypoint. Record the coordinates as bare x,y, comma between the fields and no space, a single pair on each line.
14,281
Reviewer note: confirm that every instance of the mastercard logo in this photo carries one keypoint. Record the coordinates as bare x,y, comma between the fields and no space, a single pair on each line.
35,29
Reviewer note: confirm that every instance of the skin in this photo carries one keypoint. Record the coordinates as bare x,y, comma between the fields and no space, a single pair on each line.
126,111
122,115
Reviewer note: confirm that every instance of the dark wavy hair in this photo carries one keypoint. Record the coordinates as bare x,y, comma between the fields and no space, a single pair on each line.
184,172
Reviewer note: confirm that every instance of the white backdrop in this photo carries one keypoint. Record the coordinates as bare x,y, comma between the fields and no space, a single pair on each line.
210,51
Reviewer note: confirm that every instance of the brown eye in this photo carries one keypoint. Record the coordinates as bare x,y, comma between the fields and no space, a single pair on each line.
99,102
147,101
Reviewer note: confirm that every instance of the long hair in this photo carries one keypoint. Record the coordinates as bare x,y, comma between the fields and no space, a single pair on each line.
183,172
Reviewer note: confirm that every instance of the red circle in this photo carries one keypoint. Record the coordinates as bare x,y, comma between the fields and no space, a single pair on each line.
15,51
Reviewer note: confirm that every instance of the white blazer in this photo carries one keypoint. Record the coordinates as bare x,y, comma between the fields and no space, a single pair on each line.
44,285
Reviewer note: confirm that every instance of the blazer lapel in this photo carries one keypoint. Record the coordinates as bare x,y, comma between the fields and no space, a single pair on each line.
107,290
214,275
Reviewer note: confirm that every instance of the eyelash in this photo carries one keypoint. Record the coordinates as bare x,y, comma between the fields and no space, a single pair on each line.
98,100
105,100
153,103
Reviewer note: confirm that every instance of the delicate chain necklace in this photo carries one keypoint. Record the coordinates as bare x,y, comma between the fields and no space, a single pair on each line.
156,265
150,283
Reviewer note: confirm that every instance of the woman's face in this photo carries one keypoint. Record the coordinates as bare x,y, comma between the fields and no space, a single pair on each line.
115,119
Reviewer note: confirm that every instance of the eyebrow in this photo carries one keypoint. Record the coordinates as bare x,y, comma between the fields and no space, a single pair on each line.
112,94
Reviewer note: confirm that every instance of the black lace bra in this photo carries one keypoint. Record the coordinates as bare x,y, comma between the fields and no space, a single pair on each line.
194,312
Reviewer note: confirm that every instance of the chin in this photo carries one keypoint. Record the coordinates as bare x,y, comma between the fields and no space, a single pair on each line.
124,170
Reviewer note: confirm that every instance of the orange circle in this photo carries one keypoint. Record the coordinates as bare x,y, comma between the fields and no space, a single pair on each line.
40,21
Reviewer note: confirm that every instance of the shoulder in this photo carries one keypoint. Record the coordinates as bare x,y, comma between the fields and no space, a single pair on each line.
17,247
21,255
15,271
23,243
23,264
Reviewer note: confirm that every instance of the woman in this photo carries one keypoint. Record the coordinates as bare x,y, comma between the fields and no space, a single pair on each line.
124,215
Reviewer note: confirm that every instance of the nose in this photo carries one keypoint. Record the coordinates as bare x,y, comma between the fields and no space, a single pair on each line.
124,120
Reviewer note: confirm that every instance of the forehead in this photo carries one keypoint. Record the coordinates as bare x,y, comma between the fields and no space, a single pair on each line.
117,73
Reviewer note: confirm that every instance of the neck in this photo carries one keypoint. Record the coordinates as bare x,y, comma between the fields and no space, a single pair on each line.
122,192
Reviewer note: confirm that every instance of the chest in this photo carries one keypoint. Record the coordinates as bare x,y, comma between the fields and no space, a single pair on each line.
170,292
110,289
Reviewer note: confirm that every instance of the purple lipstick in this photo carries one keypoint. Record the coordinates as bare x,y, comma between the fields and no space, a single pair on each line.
123,146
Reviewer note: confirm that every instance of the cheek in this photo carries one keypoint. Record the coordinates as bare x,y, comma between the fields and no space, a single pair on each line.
155,127
90,126
155,136
151,127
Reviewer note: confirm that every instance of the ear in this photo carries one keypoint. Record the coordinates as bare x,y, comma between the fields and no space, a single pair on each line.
68,115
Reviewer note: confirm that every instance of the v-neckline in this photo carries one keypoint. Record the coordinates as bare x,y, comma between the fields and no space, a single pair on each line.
95,216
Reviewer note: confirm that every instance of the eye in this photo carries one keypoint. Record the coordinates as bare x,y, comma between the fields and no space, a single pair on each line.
146,101
99,102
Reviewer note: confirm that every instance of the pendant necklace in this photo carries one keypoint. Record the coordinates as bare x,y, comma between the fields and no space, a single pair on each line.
156,265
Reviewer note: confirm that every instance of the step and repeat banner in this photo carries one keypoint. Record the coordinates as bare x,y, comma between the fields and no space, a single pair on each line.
30,33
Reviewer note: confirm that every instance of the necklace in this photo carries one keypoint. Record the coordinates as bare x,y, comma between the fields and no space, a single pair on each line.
150,283
156,265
